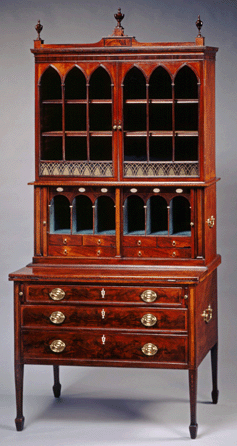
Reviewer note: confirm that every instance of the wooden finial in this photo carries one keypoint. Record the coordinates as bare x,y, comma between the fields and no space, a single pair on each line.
199,24
118,30
38,28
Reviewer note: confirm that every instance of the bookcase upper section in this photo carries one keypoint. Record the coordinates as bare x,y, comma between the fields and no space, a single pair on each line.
123,111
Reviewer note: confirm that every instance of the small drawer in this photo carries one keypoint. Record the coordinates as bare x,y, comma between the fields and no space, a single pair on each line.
146,318
148,242
96,240
104,345
53,293
81,251
173,242
157,252
65,240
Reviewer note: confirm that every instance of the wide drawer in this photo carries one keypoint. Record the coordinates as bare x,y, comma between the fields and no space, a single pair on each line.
104,345
89,293
146,318
157,252
81,251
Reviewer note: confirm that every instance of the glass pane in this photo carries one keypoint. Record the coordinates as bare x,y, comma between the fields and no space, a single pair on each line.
50,85
157,216
75,117
135,148
186,117
186,148
51,148
186,84
60,215
180,216
160,148
51,118
135,117
104,215
134,85
100,148
75,148
160,116
134,216
82,215
160,84
100,84
100,117
75,84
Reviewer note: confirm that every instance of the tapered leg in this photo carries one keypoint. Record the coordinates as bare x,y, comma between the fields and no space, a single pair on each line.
193,402
19,420
57,386
214,357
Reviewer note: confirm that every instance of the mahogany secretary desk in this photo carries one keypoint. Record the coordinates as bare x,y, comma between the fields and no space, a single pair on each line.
124,272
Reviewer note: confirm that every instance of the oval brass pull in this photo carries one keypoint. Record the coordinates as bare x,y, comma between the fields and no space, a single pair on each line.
114,127
99,242
57,346
139,253
98,252
65,241
173,243
57,294
149,296
119,127
65,252
207,314
57,317
149,349
174,254
139,242
148,320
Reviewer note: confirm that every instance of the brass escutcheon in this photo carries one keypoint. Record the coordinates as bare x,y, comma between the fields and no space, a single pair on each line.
148,320
149,296
57,317
149,349
57,346
207,314
57,294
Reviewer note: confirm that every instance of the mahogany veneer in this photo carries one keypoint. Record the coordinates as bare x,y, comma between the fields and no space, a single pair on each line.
124,272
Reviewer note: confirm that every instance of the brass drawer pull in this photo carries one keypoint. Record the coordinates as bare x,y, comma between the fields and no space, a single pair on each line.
211,221
149,349
65,241
57,346
139,242
102,293
207,314
103,314
148,296
57,294
148,320
57,317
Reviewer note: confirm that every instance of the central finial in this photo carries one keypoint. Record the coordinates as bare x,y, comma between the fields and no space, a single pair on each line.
118,30
119,17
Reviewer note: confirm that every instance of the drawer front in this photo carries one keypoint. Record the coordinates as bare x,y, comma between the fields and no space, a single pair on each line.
81,251
148,242
147,318
157,252
64,239
104,345
172,296
103,240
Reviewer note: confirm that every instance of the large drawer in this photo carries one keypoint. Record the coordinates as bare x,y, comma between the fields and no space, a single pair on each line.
104,345
146,318
172,296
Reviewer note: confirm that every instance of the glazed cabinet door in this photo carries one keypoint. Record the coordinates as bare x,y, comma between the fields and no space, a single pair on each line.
76,109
